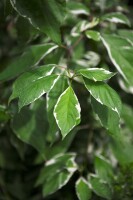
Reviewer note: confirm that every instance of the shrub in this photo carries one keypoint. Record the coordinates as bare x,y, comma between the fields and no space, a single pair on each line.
66,100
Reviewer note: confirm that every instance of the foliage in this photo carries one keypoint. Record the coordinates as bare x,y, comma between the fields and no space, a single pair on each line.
66,128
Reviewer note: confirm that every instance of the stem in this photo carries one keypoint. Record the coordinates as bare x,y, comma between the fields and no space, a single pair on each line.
77,41
70,49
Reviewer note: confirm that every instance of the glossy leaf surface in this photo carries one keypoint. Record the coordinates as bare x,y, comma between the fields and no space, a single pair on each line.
104,94
120,52
96,74
52,97
31,57
67,111
33,84
46,15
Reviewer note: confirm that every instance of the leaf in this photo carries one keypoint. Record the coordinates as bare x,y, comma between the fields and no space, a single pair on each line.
116,17
79,28
127,114
109,119
83,190
30,32
104,169
101,188
96,74
82,26
126,34
57,182
123,152
29,58
120,52
90,59
46,15
52,97
78,8
30,125
62,145
67,111
57,173
53,166
33,84
107,105
94,35
104,94
125,86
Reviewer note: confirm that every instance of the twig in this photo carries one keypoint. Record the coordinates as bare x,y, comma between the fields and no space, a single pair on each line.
77,41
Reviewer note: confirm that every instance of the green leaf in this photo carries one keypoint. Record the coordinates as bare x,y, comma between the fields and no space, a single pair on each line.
90,59
104,94
126,34
57,149
31,57
83,190
77,8
57,182
109,119
120,52
116,17
46,15
125,86
96,74
67,111
123,150
80,27
30,32
62,145
52,97
53,166
57,173
127,114
83,26
100,187
103,169
33,84
94,35
30,125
